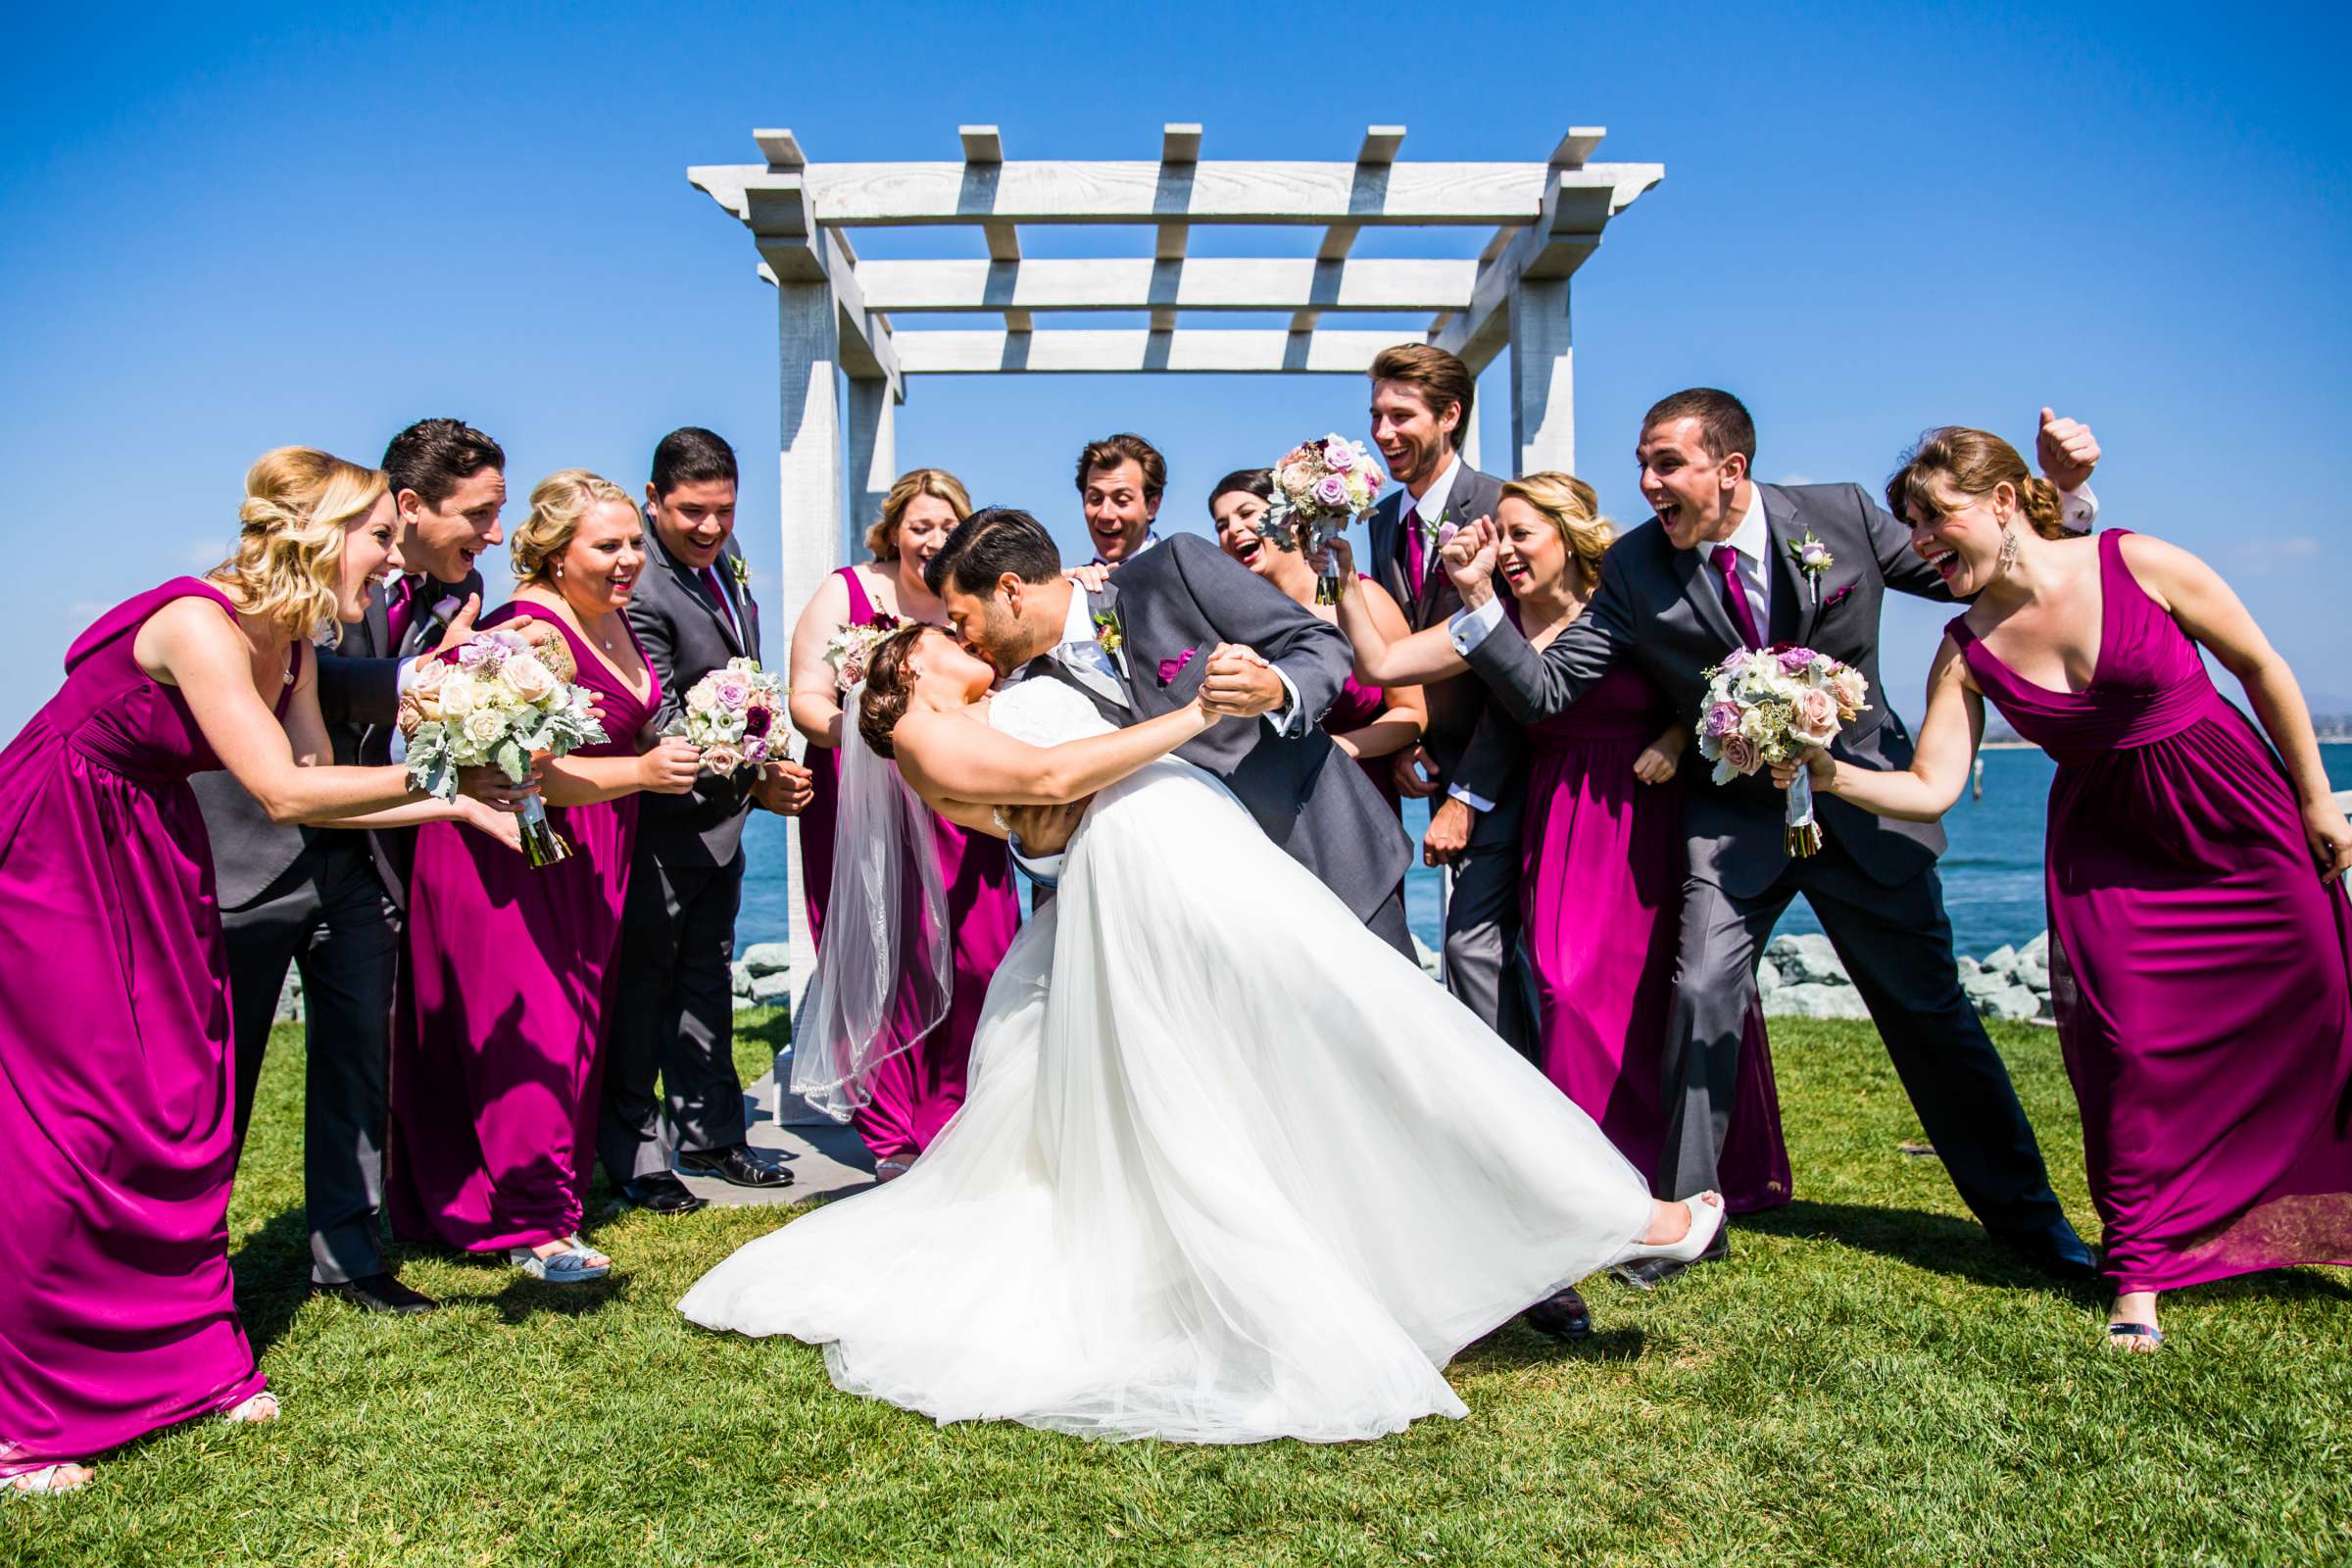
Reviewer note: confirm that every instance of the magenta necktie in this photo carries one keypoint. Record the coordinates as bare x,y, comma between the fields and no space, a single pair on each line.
1416,564
1735,594
399,610
726,610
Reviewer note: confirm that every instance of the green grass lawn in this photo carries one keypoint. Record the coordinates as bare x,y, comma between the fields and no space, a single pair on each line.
1868,1381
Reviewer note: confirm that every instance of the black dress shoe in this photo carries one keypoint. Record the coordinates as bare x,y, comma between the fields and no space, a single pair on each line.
662,1194
1652,1272
2055,1250
377,1293
1563,1316
736,1164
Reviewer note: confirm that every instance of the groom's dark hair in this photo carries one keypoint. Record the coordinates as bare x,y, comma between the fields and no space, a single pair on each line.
1724,425
990,543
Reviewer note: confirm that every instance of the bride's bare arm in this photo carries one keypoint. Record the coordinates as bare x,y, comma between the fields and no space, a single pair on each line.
949,759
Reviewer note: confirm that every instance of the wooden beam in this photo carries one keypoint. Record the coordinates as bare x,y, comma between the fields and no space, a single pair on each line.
1180,144
1184,350
780,148
1380,144
983,151
1576,209
1197,283
981,144
1576,148
1212,192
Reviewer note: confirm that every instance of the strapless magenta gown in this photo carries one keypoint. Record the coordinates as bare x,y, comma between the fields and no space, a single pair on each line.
914,1092
117,1315
2209,1030
1602,891
498,1030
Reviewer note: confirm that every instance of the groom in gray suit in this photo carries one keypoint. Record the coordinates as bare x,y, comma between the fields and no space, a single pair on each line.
1728,562
330,900
1176,621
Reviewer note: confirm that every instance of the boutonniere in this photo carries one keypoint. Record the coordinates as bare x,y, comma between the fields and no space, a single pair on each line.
741,570
1108,631
1812,558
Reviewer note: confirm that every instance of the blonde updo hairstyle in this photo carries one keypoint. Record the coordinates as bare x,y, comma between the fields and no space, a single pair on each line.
557,503
1572,507
1975,463
288,566
882,539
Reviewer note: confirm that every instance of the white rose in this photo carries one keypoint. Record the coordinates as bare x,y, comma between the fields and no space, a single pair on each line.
459,696
485,725
527,678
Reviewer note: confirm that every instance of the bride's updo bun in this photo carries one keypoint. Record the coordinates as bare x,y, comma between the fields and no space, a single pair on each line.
889,682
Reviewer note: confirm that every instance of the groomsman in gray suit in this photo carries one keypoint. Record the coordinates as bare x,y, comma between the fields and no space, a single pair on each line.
674,1014
329,901
1421,403
1728,562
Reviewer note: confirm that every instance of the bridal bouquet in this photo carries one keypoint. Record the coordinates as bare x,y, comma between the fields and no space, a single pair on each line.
1768,705
848,649
498,702
736,717
1318,486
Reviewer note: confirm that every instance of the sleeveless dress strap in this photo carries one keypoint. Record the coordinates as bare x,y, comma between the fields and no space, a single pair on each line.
861,608
130,615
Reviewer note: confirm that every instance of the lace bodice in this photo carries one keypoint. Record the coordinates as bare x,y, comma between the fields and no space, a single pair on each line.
1045,712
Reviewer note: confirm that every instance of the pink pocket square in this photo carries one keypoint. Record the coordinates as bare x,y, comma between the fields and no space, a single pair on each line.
1170,668
1831,603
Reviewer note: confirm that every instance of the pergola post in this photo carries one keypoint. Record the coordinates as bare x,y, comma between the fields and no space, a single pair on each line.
1542,380
808,464
873,455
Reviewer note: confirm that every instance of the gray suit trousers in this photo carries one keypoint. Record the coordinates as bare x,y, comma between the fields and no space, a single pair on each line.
1483,967
673,1018
328,915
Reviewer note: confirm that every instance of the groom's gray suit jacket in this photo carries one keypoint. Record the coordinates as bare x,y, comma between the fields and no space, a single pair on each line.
1661,609
1173,605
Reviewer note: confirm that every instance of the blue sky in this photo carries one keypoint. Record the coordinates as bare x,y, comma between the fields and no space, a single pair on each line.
229,231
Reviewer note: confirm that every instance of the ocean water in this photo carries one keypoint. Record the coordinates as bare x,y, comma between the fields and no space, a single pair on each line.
1991,873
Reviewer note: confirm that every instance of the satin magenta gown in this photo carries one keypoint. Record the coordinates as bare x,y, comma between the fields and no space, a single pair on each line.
498,1029
1602,891
2207,1031
914,1092
119,1316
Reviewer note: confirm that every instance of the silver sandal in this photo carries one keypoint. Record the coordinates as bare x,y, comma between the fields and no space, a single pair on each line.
574,1265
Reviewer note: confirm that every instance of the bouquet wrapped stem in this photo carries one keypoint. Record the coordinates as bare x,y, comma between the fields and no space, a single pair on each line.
542,844
1803,834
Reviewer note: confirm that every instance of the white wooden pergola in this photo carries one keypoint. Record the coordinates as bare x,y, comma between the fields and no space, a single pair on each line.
841,319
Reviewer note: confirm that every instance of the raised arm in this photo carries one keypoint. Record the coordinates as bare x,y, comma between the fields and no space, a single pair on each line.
1938,770
948,758
815,691
1405,712
2205,607
1386,652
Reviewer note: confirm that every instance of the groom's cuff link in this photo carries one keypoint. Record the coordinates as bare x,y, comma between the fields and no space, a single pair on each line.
1476,803
1045,871
1281,716
1469,628
2080,508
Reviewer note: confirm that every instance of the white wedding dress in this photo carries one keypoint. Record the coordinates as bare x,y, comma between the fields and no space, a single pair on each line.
1229,1167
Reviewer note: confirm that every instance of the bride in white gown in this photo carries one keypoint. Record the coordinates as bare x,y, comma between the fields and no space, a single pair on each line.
1229,1168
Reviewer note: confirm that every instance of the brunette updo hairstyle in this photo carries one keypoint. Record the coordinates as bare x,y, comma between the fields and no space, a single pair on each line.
889,682
1975,463
1258,483
1572,507
882,539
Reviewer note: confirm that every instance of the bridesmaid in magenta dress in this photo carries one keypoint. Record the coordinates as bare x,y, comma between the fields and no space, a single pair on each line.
498,1030
908,1096
116,1078
1602,858
2194,878
1370,724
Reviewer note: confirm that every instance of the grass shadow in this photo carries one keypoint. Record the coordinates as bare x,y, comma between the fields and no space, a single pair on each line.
271,1267
1515,1345
1941,1244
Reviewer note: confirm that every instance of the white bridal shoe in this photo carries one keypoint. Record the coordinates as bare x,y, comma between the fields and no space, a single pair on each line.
1706,1218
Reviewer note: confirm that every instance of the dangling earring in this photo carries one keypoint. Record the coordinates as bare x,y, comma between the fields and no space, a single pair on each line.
2008,549
559,572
